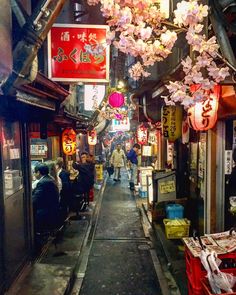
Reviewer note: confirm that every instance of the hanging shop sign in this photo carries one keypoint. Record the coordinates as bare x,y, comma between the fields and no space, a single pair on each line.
228,162
147,151
93,96
120,125
142,135
116,99
69,142
92,137
152,137
203,115
78,53
99,172
171,117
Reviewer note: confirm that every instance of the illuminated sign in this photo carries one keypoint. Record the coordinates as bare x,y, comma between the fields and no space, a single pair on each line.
78,53
120,125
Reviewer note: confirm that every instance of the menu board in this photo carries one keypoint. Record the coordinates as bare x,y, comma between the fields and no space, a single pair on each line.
38,148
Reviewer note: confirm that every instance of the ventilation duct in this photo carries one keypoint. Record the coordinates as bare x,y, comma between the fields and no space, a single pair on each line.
6,59
33,34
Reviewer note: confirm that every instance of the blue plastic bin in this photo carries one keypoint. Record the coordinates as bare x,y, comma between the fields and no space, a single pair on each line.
174,211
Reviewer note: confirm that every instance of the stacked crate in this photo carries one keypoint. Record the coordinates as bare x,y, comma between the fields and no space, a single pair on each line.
196,274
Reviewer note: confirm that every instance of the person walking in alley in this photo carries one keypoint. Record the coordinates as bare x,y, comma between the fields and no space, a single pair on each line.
132,157
117,160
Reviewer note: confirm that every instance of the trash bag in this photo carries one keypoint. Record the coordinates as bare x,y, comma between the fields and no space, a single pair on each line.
110,170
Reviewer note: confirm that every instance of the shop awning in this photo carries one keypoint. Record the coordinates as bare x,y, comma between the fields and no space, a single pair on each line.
42,93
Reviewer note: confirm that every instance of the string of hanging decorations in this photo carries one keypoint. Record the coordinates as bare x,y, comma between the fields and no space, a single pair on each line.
115,106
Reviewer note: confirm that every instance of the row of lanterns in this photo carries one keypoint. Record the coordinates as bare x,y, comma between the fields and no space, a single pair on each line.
69,140
201,117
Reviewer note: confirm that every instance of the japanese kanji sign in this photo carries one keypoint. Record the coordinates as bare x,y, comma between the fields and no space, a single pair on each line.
78,53
203,115
171,122
69,141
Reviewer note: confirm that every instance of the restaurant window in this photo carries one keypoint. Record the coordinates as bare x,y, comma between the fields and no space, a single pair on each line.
11,159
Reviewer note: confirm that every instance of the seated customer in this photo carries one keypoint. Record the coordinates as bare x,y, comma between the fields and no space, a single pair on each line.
65,188
45,200
85,179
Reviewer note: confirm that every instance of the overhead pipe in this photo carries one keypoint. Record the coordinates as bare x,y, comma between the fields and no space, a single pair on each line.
34,33
19,14
6,59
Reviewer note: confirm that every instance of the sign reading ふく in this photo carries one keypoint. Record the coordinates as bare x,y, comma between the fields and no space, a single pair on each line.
78,53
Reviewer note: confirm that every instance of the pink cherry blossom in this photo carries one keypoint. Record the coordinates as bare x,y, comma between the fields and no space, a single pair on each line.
145,33
137,71
137,28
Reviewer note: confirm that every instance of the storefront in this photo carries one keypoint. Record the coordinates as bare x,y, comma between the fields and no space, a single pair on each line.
226,143
16,207
16,226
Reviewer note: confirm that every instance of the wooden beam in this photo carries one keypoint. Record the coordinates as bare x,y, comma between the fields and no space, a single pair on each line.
213,183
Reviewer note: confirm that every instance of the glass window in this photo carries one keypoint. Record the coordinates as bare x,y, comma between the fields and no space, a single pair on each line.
12,170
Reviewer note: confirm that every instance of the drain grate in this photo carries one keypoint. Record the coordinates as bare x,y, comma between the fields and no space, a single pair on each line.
144,247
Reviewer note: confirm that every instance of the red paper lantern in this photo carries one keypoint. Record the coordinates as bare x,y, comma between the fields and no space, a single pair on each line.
203,115
116,99
92,137
142,135
69,141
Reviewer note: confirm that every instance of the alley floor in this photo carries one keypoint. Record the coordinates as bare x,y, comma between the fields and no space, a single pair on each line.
119,261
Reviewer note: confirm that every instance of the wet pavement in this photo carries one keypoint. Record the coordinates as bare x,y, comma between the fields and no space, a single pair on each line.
120,261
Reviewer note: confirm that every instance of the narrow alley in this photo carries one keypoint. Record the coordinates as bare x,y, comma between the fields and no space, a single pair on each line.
118,147
120,261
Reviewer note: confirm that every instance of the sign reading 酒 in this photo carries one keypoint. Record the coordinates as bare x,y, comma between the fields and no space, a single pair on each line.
78,53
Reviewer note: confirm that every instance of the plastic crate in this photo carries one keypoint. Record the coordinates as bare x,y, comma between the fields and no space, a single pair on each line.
176,229
194,269
194,291
196,272
91,195
174,211
142,193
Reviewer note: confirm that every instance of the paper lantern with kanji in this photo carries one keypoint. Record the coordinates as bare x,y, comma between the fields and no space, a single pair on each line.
203,115
69,141
92,137
142,135
116,99
171,117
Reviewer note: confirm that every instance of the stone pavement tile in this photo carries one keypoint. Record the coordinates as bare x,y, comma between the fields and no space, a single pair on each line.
45,280
123,268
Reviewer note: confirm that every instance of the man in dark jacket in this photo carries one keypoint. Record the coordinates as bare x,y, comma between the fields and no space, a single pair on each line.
45,200
85,179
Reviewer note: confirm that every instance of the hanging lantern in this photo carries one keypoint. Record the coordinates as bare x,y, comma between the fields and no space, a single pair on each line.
142,135
203,115
116,99
69,142
92,137
171,117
